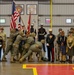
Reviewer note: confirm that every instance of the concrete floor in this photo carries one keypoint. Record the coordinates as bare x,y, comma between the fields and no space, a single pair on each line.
7,68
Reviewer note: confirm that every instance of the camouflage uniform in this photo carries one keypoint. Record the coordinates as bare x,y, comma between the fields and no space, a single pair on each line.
26,46
10,41
37,47
70,45
3,34
19,38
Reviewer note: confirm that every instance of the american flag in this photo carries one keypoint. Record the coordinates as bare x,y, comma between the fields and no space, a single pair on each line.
15,15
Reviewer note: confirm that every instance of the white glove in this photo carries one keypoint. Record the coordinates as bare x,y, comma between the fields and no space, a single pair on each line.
47,44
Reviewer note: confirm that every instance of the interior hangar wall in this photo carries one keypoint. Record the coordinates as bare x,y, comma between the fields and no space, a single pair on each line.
62,10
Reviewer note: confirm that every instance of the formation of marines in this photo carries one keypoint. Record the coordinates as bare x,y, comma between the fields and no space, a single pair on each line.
23,45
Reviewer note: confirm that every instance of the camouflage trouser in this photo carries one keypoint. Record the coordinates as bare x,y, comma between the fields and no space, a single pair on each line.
30,51
59,53
15,49
26,47
56,53
8,48
24,52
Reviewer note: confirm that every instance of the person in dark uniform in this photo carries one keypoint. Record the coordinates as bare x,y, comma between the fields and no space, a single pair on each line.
33,31
50,45
1,43
41,36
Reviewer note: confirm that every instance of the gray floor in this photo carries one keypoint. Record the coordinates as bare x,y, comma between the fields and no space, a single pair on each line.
7,68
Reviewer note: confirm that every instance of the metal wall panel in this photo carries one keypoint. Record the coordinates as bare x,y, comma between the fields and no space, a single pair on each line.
5,9
57,9
63,1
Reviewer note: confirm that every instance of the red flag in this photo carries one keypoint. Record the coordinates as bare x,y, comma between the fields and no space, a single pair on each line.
15,15
29,23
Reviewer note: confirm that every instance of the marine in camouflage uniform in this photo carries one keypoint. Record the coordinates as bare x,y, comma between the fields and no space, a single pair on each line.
19,38
3,34
29,41
37,47
70,45
10,42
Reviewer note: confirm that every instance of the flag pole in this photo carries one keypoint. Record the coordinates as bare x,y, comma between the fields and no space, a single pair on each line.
22,21
29,22
51,14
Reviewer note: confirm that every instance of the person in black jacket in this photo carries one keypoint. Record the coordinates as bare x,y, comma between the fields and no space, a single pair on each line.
32,30
62,41
50,45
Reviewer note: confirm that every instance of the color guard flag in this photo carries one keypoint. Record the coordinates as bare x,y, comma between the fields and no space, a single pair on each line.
29,23
15,15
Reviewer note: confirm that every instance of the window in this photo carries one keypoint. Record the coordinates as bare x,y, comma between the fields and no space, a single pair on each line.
2,21
68,21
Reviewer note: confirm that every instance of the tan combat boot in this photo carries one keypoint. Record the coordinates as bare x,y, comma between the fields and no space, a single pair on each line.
4,59
12,59
30,59
21,60
39,59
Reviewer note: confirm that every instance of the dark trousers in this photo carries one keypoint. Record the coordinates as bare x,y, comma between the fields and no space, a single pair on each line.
70,59
50,50
0,53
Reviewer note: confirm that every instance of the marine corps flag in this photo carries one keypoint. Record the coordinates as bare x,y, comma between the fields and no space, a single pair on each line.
15,15
29,23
